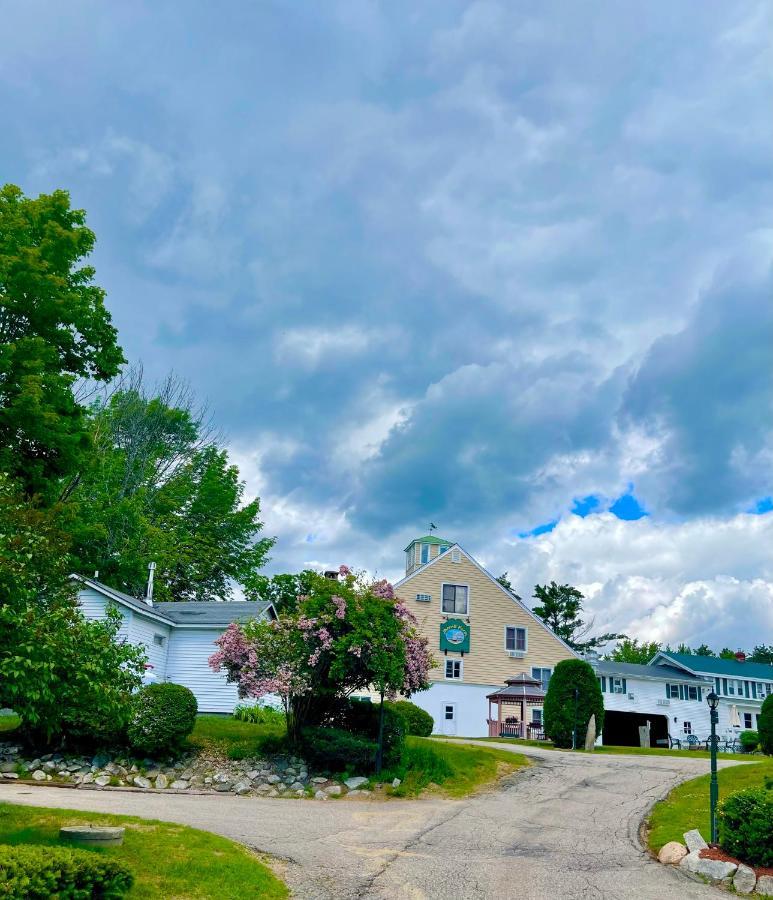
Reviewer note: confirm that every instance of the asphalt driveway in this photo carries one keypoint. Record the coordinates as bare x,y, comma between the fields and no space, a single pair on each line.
567,827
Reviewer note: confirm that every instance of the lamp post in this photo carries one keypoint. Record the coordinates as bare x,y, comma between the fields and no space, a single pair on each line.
574,724
713,702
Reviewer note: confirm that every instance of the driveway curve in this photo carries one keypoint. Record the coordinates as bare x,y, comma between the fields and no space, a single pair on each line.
567,827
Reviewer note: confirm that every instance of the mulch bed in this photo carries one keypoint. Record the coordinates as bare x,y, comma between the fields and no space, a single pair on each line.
718,853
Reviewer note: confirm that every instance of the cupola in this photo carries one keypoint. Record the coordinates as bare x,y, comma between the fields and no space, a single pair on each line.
424,549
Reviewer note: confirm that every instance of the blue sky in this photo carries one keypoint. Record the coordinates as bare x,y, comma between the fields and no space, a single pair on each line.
488,264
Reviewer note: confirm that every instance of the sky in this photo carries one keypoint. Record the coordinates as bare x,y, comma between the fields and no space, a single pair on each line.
505,267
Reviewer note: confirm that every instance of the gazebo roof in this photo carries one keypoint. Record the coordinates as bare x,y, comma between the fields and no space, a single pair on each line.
521,687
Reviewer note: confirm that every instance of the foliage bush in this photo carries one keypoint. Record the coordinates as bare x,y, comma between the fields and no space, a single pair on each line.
418,722
746,826
259,715
749,741
163,716
336,750
765,725
38,873
559,706
362,718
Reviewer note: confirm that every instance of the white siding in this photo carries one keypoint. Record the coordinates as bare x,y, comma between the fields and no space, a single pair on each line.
94,606
471,706
650,697
143,631
189,651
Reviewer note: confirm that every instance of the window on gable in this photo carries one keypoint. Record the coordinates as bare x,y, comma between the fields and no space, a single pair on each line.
456,599
454,669
515,638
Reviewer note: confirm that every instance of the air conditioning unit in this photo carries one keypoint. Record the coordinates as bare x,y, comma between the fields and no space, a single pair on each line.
516,654
630,697
662,702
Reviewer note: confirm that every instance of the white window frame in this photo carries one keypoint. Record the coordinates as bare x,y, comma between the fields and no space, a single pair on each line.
691,688
541,670
424,598
159,640
454,584
687,727
537,709
453,663
673,692
446,707
525,630
749,726
616,686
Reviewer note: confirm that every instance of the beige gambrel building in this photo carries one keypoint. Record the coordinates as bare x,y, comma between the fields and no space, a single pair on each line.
479,632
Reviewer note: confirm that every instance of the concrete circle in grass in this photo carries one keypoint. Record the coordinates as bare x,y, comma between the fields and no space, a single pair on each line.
92,835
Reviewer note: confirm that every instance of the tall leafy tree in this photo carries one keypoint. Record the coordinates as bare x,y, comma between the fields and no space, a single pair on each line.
54,332
559,606
629,650
507,584
284,590
159,488
762,654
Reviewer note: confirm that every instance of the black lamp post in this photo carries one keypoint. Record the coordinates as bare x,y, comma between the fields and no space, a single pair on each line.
574,729
713,702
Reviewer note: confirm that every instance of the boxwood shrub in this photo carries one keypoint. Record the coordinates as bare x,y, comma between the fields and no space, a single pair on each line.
38,873
746,826
559,705
749,741
163,716
765,725
336,750
418,722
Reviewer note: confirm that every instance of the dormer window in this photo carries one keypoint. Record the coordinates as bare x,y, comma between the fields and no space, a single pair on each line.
442,549
424,553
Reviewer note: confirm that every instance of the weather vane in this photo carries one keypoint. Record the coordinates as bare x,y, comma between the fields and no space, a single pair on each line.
432,527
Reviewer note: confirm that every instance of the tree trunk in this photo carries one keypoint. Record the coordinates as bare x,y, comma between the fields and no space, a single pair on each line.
380,749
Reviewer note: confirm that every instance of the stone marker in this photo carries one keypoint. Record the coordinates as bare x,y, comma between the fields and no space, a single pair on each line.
672,853
744,880
396,782
694,840
590,734
92,835
713,869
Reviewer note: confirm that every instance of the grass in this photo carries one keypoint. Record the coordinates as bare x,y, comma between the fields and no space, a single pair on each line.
9,723
168,861
625,751
687,806
456,769
234,739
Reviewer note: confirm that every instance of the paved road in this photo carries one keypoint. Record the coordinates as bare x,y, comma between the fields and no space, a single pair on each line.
563,828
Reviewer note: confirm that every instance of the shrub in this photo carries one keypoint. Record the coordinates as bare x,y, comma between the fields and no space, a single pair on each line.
336,750
559,706
749,741
765,725
259,715
418,722
37,873
746,826
163,716
363,719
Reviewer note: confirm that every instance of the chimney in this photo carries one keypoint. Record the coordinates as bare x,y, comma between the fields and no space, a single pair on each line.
333,576
741,657
149,591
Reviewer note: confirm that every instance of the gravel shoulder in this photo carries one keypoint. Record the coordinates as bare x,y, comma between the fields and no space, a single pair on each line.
566,827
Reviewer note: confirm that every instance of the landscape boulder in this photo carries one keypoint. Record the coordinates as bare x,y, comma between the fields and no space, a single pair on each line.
713,869
744,880
672,853
694,841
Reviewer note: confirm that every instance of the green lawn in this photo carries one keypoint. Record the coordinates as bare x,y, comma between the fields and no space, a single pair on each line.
168,861
687,806
9,723
235,739
456,769
632,751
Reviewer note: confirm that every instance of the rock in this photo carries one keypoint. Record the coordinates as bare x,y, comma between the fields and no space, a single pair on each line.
196,781
334,790
100,760
320,795
38,775
153,773
694,841
744,880
713,869
220,778
7,767
141,781
241,787
273,779
63,773
223,786
296,786
318,780
291,771
590,734
49,766
300,793
10,775
354,783
765,885
672,853
396,783
161,781
253,774
88,778
179,784
358,793
102,780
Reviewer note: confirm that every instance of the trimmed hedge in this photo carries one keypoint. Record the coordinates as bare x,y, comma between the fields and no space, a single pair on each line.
559,706
746,826
38,873
418,722
749,741
336,750
765,725
163,716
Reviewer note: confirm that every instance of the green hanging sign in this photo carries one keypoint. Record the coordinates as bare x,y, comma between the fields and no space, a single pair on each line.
455,636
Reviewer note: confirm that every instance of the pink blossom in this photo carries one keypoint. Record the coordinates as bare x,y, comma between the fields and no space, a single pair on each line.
383,589
340,605
344,570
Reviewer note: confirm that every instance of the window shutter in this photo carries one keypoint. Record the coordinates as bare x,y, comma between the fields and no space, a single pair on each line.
746,688
681,692
624,689
603,684
718,687
668,691
700,697
724,686
754,690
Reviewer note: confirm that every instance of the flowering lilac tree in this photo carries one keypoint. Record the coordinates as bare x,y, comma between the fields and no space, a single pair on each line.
347,635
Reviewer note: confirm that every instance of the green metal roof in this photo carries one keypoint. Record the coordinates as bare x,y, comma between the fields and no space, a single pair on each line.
430,539
713,665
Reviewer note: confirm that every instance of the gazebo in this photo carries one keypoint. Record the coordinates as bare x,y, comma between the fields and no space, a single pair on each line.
512,702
